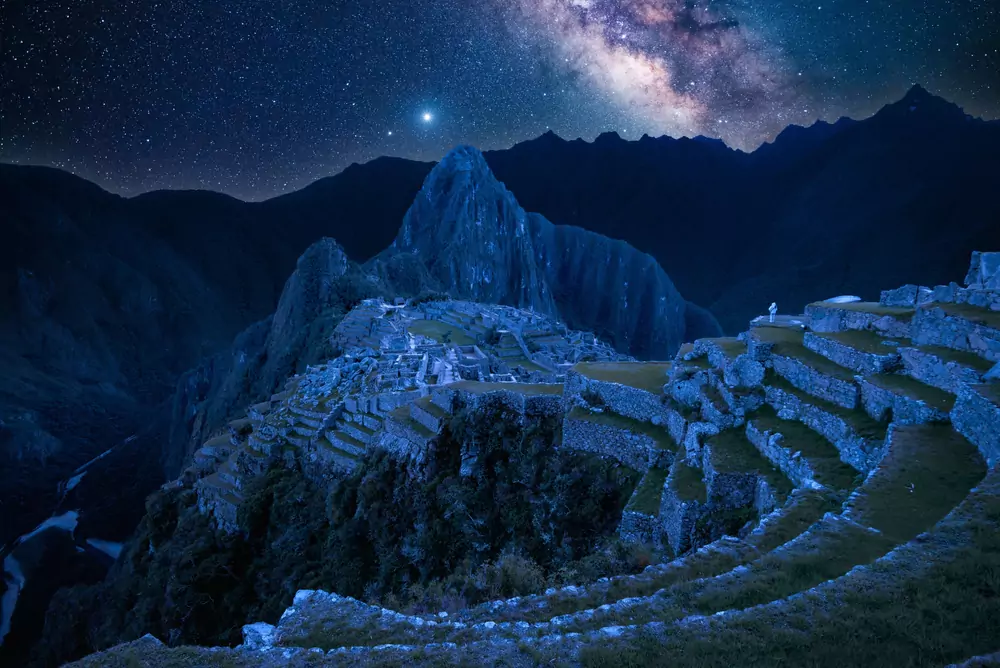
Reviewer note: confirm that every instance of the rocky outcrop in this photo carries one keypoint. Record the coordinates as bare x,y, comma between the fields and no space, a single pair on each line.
466,234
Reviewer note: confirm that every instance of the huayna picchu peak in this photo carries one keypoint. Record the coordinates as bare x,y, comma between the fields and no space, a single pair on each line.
596,509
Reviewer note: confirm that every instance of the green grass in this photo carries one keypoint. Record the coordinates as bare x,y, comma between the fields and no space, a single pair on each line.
865,341
823,456
805,508
528,389
401,414
941,614
713,395
971,360
940,465
647,496
732,452
870,307
991,391
687,483
428,406
731,346
976,314
859,421
648,376
659,434
524,362
435,329
914,389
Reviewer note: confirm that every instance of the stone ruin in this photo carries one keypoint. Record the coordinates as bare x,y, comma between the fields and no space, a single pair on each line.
809,428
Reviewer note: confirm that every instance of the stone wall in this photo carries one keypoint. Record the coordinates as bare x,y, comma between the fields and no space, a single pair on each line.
728,490
808,379
861,453
638,527
637,451
694,440
621,399
935,327
678,518
852,358
978,419
830,318
932,370
772,447
881,404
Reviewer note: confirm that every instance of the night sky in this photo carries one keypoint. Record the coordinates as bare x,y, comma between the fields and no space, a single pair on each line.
255,98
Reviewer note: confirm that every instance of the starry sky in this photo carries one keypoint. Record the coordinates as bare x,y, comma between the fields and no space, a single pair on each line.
259,97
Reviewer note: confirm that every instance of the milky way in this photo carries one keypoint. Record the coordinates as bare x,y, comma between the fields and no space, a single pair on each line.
678,68
256,98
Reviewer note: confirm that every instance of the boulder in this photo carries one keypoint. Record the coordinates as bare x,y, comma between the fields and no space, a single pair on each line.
984,271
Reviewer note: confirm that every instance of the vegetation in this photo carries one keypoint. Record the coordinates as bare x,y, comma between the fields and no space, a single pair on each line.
647,496
660,435
964,358
865,341
862,423
688,483
529,516
648,376
928,470
914,389
733,453
823,456
976,314
441,332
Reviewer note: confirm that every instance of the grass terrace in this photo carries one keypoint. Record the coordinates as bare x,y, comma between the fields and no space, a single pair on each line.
401,414
524,362
971,360
732,452
869,307
731,346
647,496
976,314
659,434
527,389
991,391
435,329
929,469
647,376
688,483
862,423
788,343
865,341
823,456
914,389
427,405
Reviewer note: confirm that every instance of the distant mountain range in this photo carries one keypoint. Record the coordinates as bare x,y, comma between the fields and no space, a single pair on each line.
106,303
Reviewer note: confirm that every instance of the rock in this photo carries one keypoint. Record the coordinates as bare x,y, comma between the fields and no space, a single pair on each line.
984,271
466,235
993,374
905,296
259,636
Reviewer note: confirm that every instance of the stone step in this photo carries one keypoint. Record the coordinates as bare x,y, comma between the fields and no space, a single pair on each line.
357,431
427,413
303,430
858,438
977,417
346,442
738,476
860,351
298,440
904,400
894,322
927,470
960,326
802,454
330,454
944,368
805,369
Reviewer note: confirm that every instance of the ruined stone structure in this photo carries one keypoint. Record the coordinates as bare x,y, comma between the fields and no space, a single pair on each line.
814,426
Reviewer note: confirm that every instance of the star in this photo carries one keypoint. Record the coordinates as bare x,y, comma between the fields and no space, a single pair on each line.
427,117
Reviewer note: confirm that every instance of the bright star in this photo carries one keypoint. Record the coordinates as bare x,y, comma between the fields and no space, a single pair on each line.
427,117
390,133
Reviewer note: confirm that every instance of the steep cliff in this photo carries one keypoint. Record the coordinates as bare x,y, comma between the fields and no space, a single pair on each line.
466,234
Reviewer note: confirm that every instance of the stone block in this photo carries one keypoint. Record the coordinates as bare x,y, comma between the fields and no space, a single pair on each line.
977,418
882,404
851,358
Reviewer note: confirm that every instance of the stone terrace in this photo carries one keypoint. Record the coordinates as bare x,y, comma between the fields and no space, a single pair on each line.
858,439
